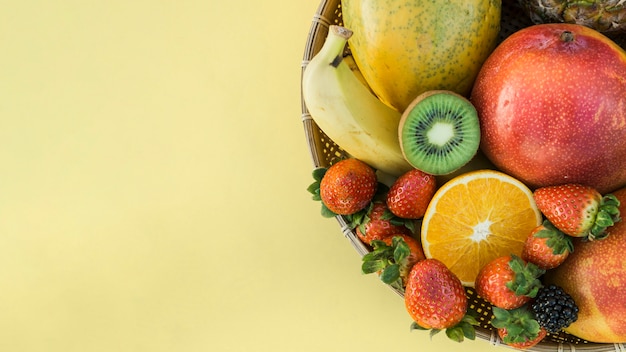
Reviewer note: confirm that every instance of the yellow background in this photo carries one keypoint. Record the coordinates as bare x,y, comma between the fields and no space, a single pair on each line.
153,170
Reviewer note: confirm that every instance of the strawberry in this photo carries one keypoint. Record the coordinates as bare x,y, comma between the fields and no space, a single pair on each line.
518,327
578,210
345,188
410,194
546,246
393,257
508,282
377,223
435,298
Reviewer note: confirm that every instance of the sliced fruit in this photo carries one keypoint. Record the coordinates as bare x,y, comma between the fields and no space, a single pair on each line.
475,218
439,132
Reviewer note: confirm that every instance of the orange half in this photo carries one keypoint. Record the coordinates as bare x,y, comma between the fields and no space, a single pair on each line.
477,217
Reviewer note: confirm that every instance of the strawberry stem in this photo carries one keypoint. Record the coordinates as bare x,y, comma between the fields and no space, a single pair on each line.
459,332
608,215
520,324
526,281
390,260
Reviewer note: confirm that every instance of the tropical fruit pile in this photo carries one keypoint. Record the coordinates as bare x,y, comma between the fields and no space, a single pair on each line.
474,163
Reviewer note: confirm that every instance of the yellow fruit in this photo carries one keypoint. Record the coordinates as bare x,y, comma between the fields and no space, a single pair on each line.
407,47
477,217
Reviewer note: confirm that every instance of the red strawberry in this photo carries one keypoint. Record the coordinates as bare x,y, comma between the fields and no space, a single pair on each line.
393,257
522,344
377,223
508,282
578,210
518,328
547,247
416,253
345,188
434,296
411,193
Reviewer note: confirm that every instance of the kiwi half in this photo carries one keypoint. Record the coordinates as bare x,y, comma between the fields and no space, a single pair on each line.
439,132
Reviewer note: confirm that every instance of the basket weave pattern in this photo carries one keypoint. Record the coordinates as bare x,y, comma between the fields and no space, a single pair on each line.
324,152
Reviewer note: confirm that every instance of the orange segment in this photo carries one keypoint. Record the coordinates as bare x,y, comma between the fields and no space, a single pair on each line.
477,217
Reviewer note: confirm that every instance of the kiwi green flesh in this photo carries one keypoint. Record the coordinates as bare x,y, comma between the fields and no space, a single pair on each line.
440,133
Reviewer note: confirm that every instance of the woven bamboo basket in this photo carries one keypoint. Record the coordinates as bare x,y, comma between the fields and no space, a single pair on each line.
324,152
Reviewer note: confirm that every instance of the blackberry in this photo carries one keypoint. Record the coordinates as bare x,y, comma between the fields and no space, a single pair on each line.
554,309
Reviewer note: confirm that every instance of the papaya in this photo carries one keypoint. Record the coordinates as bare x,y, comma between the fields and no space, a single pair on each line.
406,47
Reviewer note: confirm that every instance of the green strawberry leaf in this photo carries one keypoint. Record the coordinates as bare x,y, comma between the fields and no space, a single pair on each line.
327,213
398,285
469,331
360,219
416,326
434,332
318,173
382,253
390,260
410,224
390,274
471,317
455,333
459,332
556,239
520,324
373,266
604,219
607,216
526,279
314,188
388,215
398,221
401,251
499,317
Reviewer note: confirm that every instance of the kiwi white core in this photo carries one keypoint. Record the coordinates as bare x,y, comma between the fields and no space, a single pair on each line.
440,134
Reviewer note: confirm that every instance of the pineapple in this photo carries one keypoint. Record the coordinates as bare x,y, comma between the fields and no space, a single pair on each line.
602,15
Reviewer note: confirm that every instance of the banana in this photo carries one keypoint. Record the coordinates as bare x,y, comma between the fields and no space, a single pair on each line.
349,60
346,110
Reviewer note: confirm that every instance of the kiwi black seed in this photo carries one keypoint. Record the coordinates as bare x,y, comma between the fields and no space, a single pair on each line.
439,132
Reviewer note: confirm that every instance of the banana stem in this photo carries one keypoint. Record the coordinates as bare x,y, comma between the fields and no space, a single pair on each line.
337,38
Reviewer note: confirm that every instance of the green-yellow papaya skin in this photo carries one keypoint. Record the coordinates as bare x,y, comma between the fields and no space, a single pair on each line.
406,47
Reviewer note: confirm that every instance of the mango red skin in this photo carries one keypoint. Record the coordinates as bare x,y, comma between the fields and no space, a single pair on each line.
554,112
595,276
